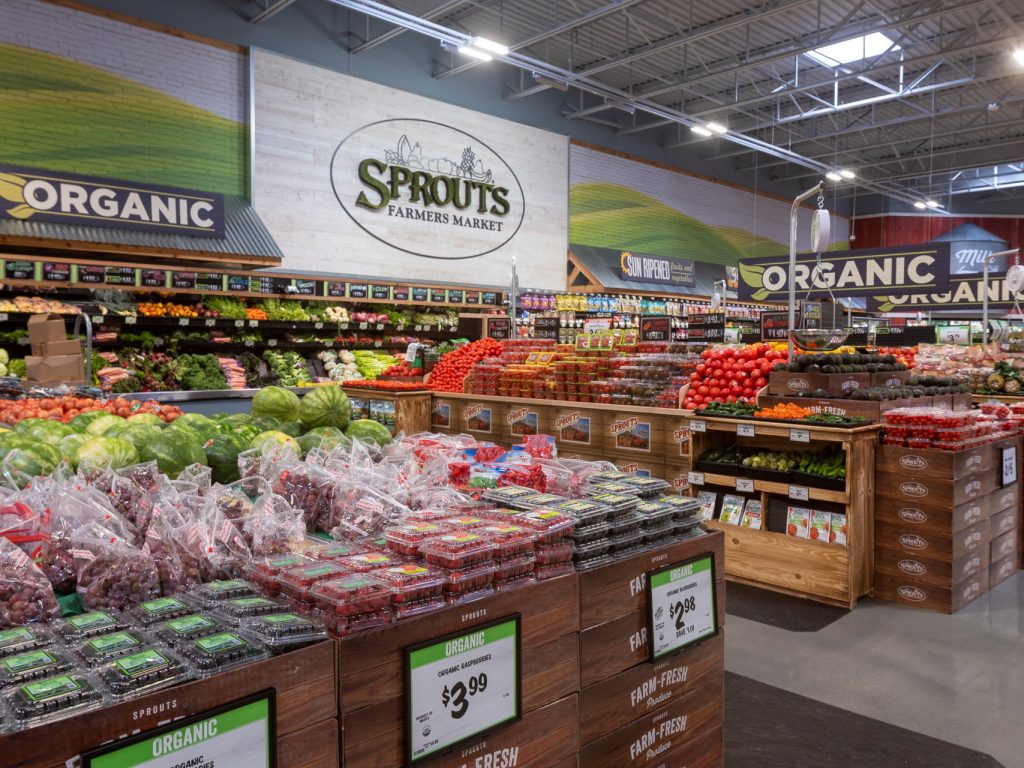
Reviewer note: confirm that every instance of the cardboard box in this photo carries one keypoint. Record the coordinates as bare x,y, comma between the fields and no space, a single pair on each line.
55,348
52,370
44,328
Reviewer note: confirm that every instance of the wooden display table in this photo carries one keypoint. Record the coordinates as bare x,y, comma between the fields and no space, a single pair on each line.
411,410
771,559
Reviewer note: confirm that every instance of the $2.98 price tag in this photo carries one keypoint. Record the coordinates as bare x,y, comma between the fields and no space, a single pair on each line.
461,686
682,605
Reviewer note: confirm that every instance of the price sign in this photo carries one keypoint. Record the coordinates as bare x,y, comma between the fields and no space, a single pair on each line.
97,319
744,485
4,317
744,430
380,292
250,343
129,319
380,326
682,606
696,425
955,334
400,293
461,686
343,326
209,281
20,270
798,492
239,323
54,273
254,323
419,328
358,290
182,321
1010,465
271,342
91,274
238,283
317,326
329,343
438,296
183,280
799,436
210,322
363,326
695,478
242,733
336,290
420,294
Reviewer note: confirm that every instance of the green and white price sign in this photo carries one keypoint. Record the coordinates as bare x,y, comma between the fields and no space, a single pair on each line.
239,735
460,686
682,605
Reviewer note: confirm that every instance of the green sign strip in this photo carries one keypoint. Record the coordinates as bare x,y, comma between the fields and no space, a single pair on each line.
683,571
461,644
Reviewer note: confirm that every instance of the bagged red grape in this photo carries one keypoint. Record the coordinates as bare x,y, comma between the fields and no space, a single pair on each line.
112,574
25,593
275,527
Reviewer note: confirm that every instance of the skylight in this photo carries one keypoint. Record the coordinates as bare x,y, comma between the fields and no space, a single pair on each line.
852,50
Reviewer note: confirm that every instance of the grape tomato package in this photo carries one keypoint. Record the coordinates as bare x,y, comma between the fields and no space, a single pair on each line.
225,650
184,629
53,698
142,672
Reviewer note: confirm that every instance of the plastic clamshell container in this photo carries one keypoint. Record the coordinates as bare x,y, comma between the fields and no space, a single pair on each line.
457,550
647,487
618,503
626,542
615,487
626,524
608,476
590,533
507,494
224,589
161,609
368,562
226,650
687,525
514,567
411,583
331,550
101,649
509,540
147,670
594,562
241,608
653,534
537,500
185,629
504,585
342,626
406,539
656,517
53,698
464,522
591,550
469,579
558,552
554,570
21,639
90,624
30,665
682,506
264,571
296,582
550,525
584,511
411,608
351,595
461,598
283,631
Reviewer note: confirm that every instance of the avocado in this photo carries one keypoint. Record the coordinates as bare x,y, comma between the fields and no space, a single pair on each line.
820,393
813,368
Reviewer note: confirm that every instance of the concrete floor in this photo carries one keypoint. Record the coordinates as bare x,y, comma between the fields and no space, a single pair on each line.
956,678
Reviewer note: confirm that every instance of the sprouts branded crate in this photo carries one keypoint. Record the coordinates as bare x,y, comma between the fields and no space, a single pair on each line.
869,409
482,418
530,418
305,683
677,439
634,434
642,466
928,462
918,517
834,384
445,414
371,687
935,492
678,475
937,545
927,570
1005,521
1005,546
577,428
1003,569
948,599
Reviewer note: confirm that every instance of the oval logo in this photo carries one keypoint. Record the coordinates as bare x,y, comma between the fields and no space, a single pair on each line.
912,515
427,189
914,594
913,489
910,541
913,462
912,567
798,384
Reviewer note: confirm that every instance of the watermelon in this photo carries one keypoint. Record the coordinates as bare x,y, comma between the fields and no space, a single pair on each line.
147,418
265,440
222,456
83,420
247,432
325,407
263,424
50,432
103,423
203,426
98,453
327,438
368,431
236,419
291,428
276,403
138,434
174,450
69,447
25,425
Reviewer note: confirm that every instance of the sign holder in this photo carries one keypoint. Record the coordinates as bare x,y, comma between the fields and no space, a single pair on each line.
474,670
659,603
107,755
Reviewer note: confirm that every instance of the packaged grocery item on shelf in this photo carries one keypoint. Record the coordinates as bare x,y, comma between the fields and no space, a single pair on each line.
584,511
732,509
504,585
407,539
239,608
319,549
590,533
509,540
753,516
550,525
624,524
297,581
646,487
144,671
369,561
610,486
103,648
351,595
412,583
514,567
510,493
226,650
554,570
685,506
586,552
84,625
655,513
29,665
185,629
457,550
25,593
53,698
342,626
469,579
264,571
618,504
21,639
282,632
218,591
463,522
161,609
626,544
655,535
555,553
798,522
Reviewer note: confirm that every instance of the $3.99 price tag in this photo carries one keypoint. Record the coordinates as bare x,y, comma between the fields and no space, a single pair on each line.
460,686
682,605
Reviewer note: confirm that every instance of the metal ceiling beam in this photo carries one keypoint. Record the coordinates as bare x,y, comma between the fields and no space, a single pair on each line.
567,26
270,10
391,34
674,41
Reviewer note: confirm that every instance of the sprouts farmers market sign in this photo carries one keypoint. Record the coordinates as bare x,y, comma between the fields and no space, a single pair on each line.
64,198
403,181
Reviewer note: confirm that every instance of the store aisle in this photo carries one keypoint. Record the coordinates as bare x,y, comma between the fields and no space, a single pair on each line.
956,679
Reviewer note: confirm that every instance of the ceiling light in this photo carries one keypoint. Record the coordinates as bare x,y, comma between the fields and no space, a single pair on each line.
475,53
931,204
919,205
1019,55
700,130
716,127
855,49
490,46
833,176
846,173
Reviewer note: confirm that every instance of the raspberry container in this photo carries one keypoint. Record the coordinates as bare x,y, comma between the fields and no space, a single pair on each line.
406,539
464,523
507,494
296,582
105,648
618,503
584,511
75,628
456,551
558,552
590,551
683,506
53,698
461,598
31,665
618,488
406,610
514,567
550,525
411,583
504,585
142,672
625,544
369,561
469,579
226,650
161,609
185,629
647,487
351,595
626,524
342,626
218,591
282,632
554,570
509,540
590,534
332,550
246,607
500,515
21,639
265,570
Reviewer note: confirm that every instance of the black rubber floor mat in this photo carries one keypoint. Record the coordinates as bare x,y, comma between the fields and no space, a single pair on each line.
782,611
767,727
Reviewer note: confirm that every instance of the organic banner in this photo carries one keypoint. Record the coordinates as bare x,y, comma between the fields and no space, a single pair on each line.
963,292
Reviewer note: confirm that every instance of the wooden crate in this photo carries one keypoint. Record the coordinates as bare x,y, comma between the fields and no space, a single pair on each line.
948,599
842,406
916,517
370,664
577,429
412,409
1005,521
307,703
531,418
482,419
937,545
445,414
659,738
1003,569
677,438
931,570
1005,498
677,473
1004,546
642,466
788,384
935,492
915,462
633,434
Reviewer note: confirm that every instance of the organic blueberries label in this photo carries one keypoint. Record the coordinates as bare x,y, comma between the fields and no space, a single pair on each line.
92,621
218,643
47,689
189,624
115,642
17,635
25,662
162,606
142,662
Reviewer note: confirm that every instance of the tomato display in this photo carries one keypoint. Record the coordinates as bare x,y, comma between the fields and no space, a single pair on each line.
66,407
732,374
449,375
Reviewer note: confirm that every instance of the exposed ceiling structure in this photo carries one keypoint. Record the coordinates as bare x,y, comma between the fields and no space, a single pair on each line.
928,105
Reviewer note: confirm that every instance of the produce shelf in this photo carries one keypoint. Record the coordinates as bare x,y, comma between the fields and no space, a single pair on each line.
779,489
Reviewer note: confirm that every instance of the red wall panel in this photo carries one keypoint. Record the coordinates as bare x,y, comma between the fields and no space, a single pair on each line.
892,231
